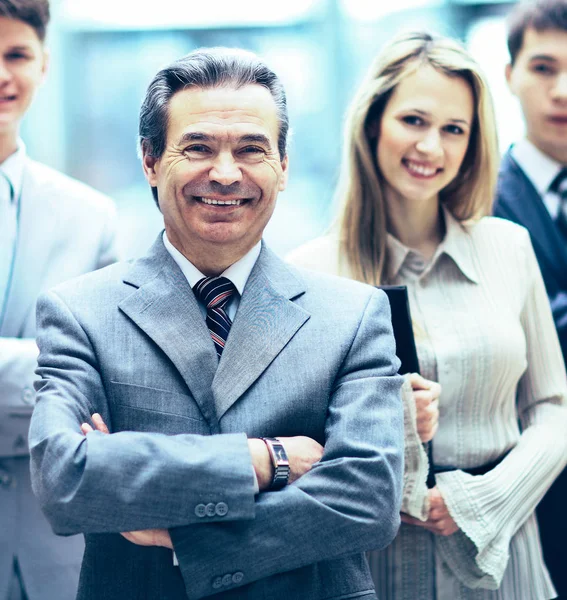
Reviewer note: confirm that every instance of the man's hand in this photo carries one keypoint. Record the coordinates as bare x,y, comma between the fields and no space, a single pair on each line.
147,537
426,394
302,452
440,521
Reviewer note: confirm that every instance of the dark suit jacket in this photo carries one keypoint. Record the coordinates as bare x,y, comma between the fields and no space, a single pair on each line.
307,355
518,201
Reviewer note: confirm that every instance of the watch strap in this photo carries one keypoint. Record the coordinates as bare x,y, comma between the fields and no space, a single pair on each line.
280,463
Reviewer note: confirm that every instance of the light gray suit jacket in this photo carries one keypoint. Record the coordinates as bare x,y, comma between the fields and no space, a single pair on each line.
66,229
307,354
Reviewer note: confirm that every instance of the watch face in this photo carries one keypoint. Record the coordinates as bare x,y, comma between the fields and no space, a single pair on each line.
280,454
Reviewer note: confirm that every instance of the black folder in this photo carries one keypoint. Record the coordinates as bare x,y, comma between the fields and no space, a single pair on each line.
403,328
405,347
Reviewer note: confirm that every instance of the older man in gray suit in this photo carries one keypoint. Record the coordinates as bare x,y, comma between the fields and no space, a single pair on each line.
52,228
198,357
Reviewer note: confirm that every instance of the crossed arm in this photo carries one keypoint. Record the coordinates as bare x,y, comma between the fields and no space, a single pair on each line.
302,453
348,502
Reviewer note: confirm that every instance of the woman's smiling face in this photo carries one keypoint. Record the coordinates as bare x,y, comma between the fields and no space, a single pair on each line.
424,135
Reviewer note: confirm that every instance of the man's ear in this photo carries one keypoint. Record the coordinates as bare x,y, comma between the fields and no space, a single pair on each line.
149,163
285,167
45,65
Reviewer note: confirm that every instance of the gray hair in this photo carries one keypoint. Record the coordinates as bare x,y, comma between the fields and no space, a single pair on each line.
205,68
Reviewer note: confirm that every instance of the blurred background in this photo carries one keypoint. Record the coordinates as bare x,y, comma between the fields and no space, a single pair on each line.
105,52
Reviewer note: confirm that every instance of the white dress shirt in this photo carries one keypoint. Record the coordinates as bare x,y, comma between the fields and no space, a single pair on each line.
541,170
238,273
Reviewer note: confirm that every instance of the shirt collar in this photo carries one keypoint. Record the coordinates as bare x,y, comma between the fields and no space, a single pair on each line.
13,167
538,167
456,245
238,273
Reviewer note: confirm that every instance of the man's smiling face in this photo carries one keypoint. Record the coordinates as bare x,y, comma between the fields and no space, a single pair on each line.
23,62
220,173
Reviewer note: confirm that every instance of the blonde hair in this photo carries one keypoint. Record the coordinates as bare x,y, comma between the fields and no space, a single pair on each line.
362,218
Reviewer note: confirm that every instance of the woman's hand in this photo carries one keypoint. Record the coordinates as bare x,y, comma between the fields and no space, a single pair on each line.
426,395
439,521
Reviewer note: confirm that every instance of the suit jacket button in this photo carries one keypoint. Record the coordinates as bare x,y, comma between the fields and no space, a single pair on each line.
221,509
227,579
210,510
217,583
238,577
200,510
28,395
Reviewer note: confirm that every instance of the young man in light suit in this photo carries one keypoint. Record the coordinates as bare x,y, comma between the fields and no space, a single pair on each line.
197,357
51,228
532,191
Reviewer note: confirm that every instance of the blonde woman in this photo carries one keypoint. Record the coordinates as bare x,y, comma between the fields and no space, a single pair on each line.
417,181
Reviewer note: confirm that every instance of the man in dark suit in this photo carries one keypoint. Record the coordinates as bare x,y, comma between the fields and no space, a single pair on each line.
197,356
52,228
532,191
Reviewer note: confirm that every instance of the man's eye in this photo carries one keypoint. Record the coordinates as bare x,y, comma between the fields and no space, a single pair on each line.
198,148
16,56
542,69
251,150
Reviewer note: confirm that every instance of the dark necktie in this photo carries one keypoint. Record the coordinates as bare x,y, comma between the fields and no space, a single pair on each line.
214,293
559,186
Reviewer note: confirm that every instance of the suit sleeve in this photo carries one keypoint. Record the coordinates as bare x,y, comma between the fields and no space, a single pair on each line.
489,509
18,356
349,502
128,480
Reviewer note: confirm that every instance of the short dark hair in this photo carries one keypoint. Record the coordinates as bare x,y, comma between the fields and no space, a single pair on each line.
205,68
34,13
540,15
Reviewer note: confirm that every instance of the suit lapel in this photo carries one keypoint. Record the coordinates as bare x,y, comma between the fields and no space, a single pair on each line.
526,207
165,308
265,322
35,243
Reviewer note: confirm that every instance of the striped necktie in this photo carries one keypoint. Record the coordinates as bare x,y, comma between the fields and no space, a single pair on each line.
215,293
559,186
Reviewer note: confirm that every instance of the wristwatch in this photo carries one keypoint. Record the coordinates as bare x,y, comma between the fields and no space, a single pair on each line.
280,462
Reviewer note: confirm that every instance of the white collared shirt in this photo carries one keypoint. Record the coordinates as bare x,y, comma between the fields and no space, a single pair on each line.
541,170
238,273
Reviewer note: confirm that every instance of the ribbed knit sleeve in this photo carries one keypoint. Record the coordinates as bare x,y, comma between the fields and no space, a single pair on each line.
489,509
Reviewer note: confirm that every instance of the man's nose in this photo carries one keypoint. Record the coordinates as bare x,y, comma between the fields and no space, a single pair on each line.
559,91
430,143
225,170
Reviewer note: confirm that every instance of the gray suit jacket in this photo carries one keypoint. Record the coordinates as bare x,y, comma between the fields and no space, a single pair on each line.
307,355
66,229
